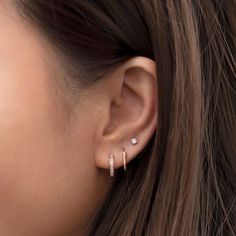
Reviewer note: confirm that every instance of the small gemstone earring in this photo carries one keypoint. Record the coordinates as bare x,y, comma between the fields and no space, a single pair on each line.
124,157
111,164
134,141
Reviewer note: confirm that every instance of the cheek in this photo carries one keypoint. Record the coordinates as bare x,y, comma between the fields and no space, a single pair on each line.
28,143
47,177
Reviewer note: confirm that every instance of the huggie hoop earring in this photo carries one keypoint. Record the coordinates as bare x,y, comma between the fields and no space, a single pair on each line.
111,164
124,157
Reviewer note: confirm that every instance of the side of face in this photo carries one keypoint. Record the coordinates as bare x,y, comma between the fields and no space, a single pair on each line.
54,169
48,181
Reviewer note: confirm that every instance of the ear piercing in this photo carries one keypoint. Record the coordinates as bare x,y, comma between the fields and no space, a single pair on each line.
111,164
124,157
134,141
111,160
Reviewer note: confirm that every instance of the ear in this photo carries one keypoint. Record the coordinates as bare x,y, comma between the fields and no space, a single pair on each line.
130,111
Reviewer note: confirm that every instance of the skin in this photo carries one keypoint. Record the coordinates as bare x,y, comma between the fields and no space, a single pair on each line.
54,169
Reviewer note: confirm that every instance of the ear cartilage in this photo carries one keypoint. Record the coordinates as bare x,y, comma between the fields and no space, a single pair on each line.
134,141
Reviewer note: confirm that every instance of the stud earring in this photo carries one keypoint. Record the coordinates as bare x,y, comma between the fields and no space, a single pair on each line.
134,141
111,164
124,157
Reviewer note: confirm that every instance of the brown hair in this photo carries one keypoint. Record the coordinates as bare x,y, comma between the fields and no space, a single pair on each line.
184,181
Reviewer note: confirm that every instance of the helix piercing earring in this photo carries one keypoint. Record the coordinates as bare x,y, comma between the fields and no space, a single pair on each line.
134,141
111,164
124,157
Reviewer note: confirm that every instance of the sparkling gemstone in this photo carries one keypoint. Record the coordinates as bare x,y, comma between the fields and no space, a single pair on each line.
134,141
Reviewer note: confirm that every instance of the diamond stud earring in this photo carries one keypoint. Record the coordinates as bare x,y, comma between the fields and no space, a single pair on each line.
134,141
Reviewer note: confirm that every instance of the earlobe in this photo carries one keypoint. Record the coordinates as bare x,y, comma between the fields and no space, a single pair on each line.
132,114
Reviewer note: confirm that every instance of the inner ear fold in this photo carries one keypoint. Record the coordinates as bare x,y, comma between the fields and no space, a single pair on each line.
127,110
137,103
135,113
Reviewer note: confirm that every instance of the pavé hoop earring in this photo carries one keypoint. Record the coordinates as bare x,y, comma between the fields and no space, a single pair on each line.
124,157
111,164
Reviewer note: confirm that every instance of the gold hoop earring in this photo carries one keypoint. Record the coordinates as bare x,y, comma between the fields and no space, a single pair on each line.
124,157
111,164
